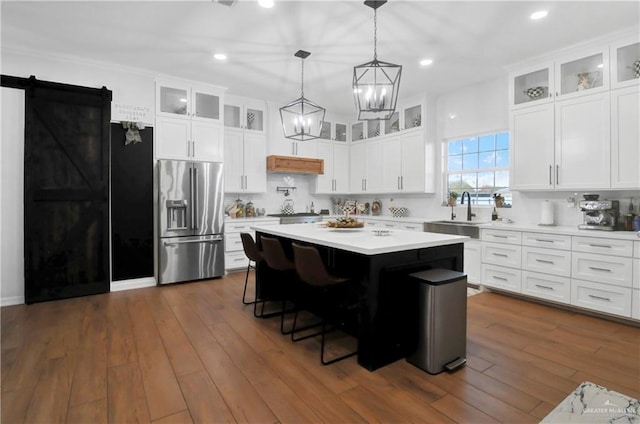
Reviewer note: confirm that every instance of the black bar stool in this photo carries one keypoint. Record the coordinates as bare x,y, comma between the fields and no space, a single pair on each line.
253,253
276,259
332,295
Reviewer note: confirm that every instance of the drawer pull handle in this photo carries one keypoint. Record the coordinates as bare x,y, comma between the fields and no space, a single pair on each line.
606,246
238,259
502,255
599,269
599,297
495,277
499,236
544,287
545,241
545,261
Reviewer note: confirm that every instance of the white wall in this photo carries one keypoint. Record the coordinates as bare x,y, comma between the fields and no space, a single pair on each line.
11,197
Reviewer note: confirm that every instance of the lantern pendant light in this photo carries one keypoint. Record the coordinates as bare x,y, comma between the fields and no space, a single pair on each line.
302,118
376,83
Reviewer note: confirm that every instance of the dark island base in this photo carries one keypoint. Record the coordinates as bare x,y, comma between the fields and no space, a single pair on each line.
388,319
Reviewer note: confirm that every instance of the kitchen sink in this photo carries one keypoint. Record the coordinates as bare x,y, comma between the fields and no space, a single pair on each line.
459,228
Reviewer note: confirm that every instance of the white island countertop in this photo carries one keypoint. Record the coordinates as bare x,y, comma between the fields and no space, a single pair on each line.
361,240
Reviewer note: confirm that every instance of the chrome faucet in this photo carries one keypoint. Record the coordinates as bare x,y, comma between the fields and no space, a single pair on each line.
469,214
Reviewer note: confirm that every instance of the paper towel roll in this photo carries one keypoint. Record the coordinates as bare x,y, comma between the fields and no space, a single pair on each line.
546,217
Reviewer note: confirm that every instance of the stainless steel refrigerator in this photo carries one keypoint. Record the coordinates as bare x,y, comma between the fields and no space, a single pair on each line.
191,244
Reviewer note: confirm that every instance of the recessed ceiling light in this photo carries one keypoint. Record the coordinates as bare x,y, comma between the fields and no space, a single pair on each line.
538,15
220,56
426,62
267,4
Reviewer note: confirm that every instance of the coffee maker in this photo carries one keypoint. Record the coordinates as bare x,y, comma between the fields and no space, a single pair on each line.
599,214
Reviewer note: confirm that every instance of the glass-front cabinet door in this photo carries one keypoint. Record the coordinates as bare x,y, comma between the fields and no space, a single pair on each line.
244,114
173,101
625,62
373,128
325,130
412,116
533,85
340,132
392,124
206,105
357,131
587,73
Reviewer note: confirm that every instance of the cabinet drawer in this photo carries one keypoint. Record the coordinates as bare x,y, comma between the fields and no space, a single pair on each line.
636,274
502,278
387,224
233,242
635,304
602,246
602,269
500,254
548,241
502,236
548,261
411,226
548,287
235,260
601,297
238,227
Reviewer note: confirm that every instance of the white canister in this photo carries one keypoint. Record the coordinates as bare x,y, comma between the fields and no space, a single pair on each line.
546,215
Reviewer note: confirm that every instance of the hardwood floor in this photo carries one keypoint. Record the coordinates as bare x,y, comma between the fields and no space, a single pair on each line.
193,353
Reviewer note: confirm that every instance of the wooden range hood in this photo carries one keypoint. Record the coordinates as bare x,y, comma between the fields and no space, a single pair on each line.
294,165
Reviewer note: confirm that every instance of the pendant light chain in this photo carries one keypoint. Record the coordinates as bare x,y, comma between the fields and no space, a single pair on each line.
375,34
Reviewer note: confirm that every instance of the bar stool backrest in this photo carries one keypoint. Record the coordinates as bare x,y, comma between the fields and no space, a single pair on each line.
274,255
250,248
310,267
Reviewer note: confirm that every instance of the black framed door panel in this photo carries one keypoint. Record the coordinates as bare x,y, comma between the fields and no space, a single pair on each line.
66,191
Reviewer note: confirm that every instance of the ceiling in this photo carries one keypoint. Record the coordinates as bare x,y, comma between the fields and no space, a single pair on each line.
468,41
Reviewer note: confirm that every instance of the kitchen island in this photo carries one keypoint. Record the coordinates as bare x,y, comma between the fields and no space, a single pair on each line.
388,301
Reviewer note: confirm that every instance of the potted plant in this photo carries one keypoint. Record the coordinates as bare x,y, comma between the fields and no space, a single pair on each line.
453,198
497,197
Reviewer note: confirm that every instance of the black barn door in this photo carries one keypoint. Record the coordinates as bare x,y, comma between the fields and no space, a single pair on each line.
66,191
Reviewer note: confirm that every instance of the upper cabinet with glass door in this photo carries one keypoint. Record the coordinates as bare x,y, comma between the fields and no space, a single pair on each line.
333,131
357,131
531,85
180,99
582,73
625,62
244,113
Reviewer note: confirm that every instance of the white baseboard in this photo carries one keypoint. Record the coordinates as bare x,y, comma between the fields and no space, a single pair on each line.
10,301
136,283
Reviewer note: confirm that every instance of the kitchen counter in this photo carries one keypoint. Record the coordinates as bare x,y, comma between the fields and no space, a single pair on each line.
571,231
388,313
361,240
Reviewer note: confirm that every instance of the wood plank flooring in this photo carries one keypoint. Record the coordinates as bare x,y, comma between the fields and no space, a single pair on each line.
193,353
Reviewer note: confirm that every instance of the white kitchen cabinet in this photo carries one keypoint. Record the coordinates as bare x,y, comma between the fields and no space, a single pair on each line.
546,286
183,99
473,261
245,161
502,277
531,86
625,54
357,131
582,72
188,122
602,269
582,143
601,297
502,254
625,137
245,113
532,148
234,256
546,261
365,166
185,139
334,131
403,168
336,168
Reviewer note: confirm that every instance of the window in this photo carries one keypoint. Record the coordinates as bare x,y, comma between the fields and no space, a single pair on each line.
479,165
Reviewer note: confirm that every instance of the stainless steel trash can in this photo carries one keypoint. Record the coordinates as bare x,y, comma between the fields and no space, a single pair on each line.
442,335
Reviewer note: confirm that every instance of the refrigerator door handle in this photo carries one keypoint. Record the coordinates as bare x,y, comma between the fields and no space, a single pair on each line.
217,239
195,198
191,194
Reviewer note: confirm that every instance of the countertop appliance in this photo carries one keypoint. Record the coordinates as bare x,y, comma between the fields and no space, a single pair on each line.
191,215
297,218
599,214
